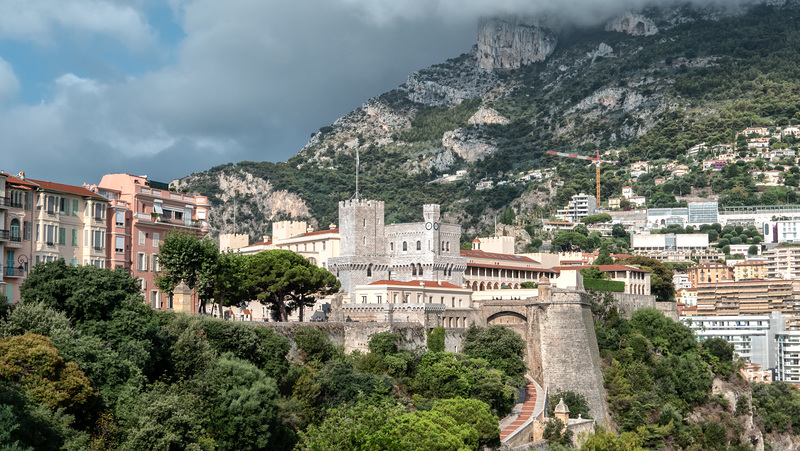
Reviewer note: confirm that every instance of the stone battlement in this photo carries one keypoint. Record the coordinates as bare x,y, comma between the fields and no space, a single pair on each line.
360,203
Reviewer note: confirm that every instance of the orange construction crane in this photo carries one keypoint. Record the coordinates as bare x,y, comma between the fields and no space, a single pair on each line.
596,160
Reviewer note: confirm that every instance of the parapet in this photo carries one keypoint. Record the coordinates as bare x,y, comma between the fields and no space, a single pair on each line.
360,203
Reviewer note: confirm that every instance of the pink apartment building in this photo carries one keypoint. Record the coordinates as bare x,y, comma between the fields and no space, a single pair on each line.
16,219
140,213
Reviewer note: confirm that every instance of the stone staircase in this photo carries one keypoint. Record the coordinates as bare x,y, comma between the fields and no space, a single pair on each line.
524,414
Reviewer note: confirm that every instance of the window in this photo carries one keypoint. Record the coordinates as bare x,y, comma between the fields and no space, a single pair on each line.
98,240
169,302
156,238
405,246
119,244
74,207
157,208
74,237
155,300
15,232
142,284
120,218
419,298
74,262
419,245
62,235
63,206
363,299
379,298
391,247
369,270
142,238
26,230
154,264
141,261
38,234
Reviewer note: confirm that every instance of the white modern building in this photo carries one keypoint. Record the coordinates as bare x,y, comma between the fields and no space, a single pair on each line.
669,242
787,350
752,336
579,207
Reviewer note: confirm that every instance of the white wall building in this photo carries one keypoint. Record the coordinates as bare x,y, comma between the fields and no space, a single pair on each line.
669,242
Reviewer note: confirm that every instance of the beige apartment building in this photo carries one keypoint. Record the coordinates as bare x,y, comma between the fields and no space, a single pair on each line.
296,236
754,297
750,269
69,222
709,273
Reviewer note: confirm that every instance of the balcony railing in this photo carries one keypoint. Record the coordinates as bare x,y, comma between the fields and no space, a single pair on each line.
5,201
11,271
5,235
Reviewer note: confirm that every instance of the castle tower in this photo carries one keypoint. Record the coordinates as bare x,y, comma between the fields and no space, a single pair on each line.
430,213
361,227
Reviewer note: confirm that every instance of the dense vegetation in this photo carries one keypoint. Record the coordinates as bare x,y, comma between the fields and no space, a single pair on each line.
84,364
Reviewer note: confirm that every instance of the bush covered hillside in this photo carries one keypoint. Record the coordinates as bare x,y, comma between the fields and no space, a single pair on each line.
702,78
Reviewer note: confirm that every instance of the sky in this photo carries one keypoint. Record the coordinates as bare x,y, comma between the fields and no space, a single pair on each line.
167,88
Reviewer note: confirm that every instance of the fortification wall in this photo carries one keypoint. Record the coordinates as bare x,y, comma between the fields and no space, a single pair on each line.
568,346
354,336
628,303
669,309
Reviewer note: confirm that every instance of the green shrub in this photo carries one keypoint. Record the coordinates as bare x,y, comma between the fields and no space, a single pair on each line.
604,285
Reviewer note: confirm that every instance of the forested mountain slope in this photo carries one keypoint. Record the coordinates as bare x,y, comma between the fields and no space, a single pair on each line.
650,85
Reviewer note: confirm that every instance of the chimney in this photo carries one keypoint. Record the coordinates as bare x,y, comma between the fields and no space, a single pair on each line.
21,175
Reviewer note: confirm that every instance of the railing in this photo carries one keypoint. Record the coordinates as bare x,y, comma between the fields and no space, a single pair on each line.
5,234
11,271
5,201
16,238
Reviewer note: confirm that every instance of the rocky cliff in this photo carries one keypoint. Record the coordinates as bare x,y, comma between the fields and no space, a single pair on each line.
513,42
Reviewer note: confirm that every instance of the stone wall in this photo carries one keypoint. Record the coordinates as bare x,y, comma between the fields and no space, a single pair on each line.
669,309
628,303
355,336
570,358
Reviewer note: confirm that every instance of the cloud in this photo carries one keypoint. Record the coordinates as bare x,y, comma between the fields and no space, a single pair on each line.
9,85
39,21
584,12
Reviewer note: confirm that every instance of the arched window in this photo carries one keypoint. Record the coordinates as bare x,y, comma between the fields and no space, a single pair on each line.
442,245
391,247
419,245
369,270
405,246
419,269
413,269
15,235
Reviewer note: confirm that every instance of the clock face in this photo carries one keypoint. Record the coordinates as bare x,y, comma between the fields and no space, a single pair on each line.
436,225
428,225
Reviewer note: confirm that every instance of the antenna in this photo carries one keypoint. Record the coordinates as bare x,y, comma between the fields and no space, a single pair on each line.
358,163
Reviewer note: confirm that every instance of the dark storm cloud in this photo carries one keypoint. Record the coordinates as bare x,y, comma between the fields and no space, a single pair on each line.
251,80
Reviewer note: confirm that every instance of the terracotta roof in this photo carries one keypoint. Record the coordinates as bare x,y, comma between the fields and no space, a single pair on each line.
318,232
17,181
515,268
417,283
493,256
246,312
751,263
260,243
62,188
709,265
604,268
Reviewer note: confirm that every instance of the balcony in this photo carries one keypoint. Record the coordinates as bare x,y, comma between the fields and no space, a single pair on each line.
5,235
11,271
5,202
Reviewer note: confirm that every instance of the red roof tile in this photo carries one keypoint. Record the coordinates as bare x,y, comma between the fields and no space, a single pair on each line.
318,232
71,189
17,181
604,268
493,256
417,283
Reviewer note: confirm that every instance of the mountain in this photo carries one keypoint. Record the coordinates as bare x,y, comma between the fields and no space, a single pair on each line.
649,84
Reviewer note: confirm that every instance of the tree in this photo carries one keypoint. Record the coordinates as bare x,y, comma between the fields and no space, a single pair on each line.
596,219
186,258
501,347
604,256
286,281
508,217
436,339
660,276
752,250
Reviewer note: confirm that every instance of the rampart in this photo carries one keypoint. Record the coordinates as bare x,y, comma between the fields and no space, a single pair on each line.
355,336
